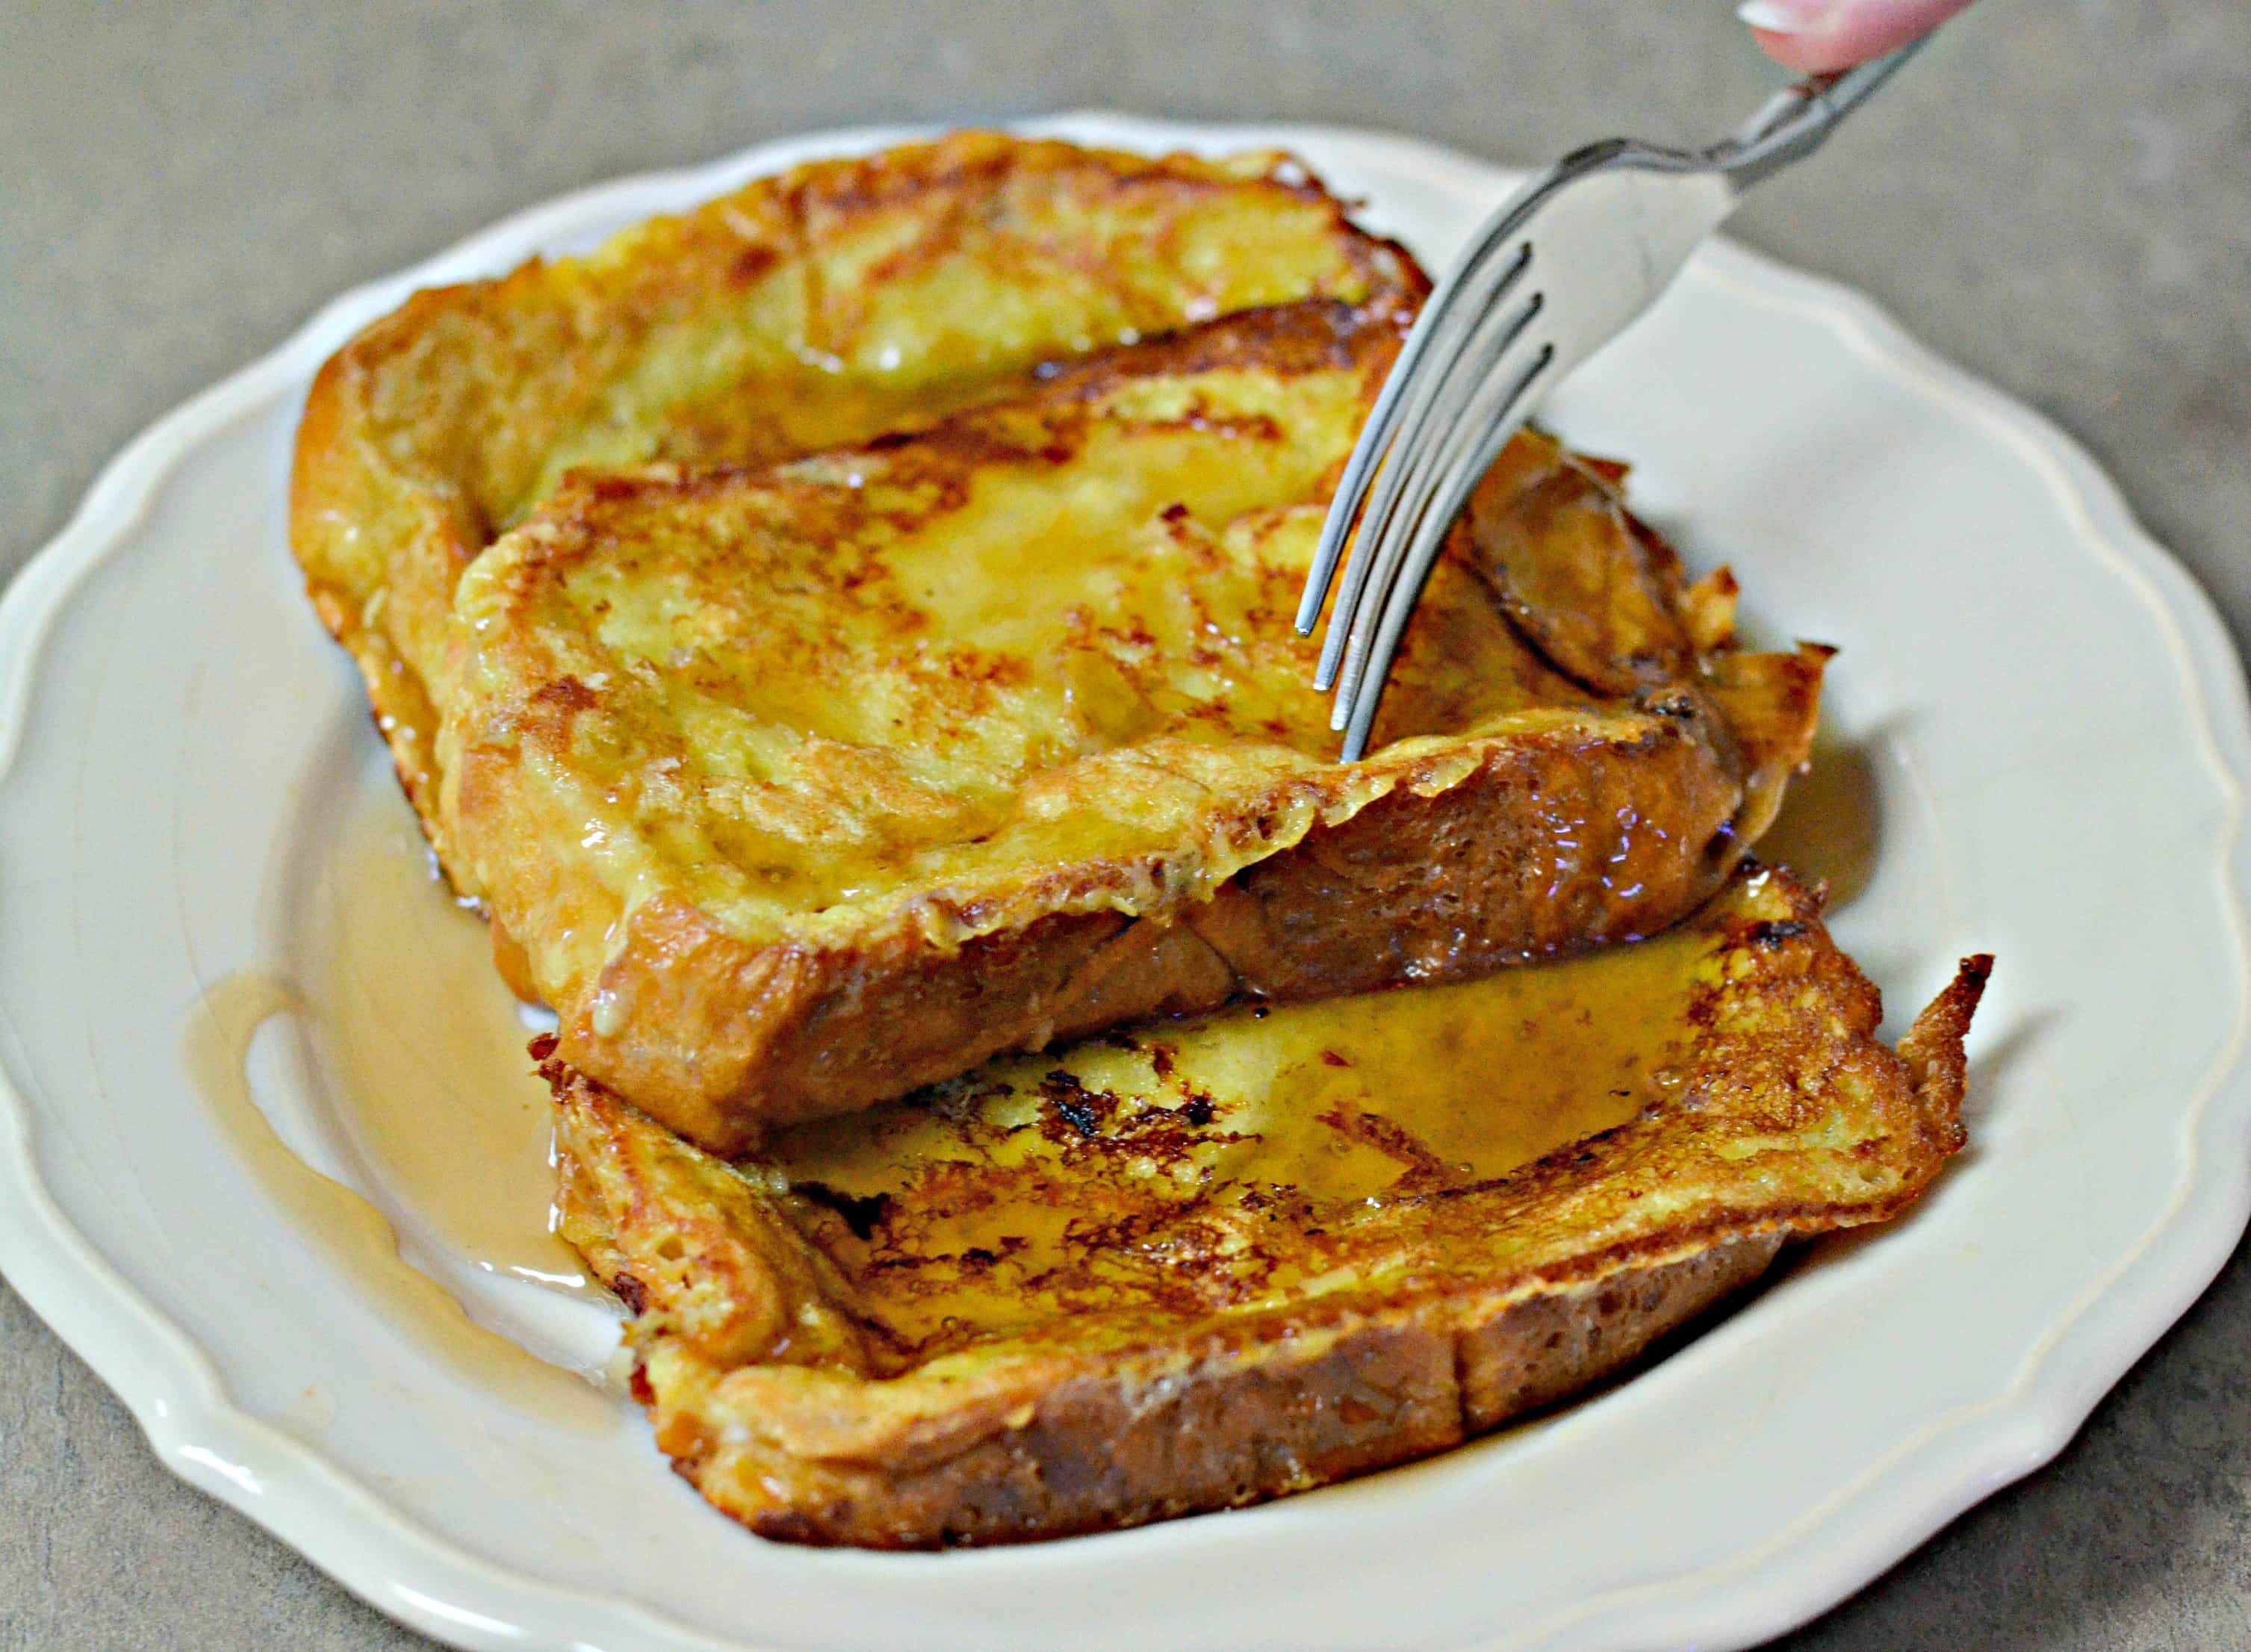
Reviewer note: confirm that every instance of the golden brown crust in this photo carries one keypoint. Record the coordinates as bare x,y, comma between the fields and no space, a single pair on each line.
819,308
801,787
722,1040
1110,1448
868,1335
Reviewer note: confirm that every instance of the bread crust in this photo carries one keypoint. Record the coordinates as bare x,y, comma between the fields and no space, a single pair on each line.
812,309
1444,875
769,1334
1222,1427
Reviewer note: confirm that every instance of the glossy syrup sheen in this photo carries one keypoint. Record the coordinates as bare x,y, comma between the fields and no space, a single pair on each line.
1116,1158
425,1052
335,1223
787,408
1831,825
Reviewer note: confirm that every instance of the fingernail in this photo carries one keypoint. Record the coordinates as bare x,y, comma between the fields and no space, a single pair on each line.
1784,17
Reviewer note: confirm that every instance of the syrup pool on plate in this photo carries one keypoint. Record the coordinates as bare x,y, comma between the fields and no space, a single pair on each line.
426,1052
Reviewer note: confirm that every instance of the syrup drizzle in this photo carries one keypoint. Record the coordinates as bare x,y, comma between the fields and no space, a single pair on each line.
1831,826
425,1053
351,1233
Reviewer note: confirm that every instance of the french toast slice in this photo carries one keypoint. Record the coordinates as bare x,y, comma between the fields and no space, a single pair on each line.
1205,1264
800,787
802,311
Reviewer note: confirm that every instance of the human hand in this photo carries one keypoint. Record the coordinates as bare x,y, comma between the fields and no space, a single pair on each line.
1817,36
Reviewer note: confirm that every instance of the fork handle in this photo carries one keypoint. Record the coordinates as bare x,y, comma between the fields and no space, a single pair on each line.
1793,122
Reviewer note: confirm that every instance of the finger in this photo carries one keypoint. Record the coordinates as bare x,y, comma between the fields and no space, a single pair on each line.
1816,36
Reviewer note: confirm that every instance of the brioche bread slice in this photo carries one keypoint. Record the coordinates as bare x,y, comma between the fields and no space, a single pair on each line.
806,311
800,787
1205,1264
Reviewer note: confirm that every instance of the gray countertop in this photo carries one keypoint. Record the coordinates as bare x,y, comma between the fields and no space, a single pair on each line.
2058,195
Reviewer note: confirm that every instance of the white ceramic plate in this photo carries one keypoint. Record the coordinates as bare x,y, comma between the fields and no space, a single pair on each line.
2043,711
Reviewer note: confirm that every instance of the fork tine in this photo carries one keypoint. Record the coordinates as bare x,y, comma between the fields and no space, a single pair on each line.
1478,292
1376,436
1463,387
1403,483
1477,443
1448,337
1398,485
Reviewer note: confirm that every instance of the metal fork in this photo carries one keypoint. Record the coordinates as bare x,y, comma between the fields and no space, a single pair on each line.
1563,268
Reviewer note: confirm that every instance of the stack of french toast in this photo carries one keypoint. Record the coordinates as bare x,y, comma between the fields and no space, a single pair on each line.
1017,1080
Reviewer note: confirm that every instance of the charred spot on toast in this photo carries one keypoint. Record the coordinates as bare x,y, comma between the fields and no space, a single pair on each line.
862,1216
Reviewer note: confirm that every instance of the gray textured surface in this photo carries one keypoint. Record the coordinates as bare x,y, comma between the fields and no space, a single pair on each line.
2060,195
